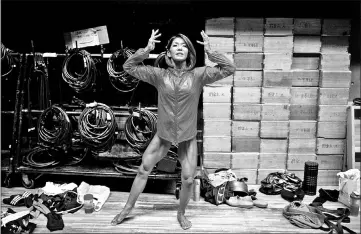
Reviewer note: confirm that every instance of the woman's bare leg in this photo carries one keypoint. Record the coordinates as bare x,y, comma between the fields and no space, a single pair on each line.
187,155
155,151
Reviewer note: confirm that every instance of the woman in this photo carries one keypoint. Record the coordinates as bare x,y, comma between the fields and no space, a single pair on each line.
179,87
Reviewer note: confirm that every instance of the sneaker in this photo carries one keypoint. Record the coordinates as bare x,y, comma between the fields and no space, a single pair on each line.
232,201
241,202
245,202
259,203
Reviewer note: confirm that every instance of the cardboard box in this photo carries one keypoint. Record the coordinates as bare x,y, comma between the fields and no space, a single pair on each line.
276,95
277,61
332,113
303,112
336,27
244,160
279,26
247,79
217,110
305,62
222,44
335,79
274,146
303,129
276,112
335,62
248,61
222,26
277,78
334,129
216,160
246,111
304,95
329,162
274,129
247,95
245,128
249,43
217,94
335,44
246,144
330,146
306,26
305,78
297,161
216,144
334,96
307,44
272,161
217,127
302,146
249,26
276,44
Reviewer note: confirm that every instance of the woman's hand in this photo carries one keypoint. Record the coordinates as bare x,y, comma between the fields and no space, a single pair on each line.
205,42
152,40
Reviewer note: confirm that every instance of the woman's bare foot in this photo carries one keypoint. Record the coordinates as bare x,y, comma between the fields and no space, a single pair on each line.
183,221
120,217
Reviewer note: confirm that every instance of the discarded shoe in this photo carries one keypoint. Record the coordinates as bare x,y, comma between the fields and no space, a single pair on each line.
232,201
245,202
241,202
259,203
88,203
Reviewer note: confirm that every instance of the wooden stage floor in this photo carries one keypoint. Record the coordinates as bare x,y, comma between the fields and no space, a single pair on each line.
156,213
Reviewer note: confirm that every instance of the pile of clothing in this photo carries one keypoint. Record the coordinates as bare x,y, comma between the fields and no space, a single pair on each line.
53,201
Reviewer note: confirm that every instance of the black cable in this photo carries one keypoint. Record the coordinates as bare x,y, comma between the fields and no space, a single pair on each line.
97,127
140,128
121,80
54,128
84,80
7,61
41,157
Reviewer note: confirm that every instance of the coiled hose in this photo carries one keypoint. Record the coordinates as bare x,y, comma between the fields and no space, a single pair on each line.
85,79
140,127
7,61
121,80
97,127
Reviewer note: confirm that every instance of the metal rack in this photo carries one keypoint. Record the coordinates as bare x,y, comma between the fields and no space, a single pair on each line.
29,175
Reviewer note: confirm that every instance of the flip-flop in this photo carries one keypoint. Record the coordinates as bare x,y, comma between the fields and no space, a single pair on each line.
17,200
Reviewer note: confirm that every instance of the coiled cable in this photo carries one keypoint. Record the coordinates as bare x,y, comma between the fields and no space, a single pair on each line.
54,128
140,128
7,61
97,127
121,80
41,157
54,132
85,79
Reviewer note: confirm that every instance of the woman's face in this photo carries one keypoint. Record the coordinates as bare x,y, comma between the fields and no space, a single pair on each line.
178,50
